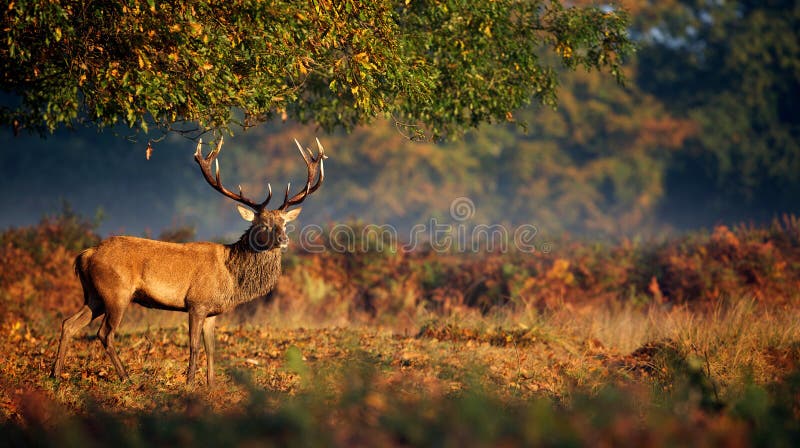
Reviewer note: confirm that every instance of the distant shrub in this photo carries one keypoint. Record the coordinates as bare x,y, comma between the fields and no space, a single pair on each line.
37,279
179,234
380,281
66,229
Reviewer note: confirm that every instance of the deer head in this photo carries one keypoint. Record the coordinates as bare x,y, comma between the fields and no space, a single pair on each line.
267,227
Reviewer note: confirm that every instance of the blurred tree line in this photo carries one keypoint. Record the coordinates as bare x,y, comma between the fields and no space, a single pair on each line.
733,70
705,131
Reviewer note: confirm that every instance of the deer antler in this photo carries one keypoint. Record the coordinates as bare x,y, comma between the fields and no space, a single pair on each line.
216,183
312,163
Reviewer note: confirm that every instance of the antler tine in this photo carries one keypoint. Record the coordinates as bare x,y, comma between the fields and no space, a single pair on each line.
321,149
303,152
313,163
219,146
321,157
321,160
286,197
269,196
215,181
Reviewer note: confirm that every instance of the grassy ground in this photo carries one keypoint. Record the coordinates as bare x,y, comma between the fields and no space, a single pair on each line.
694,341
610,372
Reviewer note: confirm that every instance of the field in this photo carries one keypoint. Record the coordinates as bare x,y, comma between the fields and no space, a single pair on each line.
693,340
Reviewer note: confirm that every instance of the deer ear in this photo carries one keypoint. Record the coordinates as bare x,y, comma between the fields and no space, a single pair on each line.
246,213
291,215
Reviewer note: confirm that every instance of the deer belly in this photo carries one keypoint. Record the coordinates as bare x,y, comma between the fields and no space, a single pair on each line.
161,294
149,302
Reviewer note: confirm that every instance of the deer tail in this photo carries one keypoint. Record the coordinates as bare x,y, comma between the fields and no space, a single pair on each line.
82,262
81,267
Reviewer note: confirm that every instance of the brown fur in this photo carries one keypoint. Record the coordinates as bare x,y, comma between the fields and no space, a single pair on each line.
201,279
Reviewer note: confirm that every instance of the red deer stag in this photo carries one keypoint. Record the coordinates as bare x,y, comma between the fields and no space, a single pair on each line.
202,279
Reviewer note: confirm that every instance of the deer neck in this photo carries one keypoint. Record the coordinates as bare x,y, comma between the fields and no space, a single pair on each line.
256,273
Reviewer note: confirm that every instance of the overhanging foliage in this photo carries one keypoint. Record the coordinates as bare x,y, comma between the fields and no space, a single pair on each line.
445,65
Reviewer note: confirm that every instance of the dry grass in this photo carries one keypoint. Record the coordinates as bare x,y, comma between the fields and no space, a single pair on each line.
519,358
736,338
413,346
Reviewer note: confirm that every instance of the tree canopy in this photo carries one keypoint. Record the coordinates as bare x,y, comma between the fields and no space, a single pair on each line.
442,65
704,131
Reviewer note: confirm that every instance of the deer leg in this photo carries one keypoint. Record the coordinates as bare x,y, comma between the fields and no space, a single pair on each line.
208,343
196,321
68,329
106,335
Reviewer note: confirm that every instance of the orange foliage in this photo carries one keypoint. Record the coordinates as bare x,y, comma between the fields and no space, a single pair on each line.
37,279
666,131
